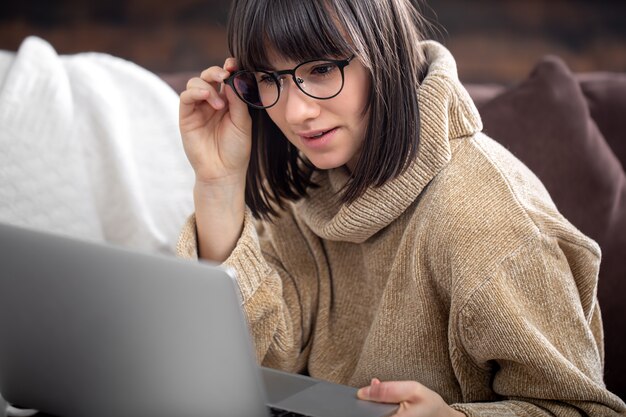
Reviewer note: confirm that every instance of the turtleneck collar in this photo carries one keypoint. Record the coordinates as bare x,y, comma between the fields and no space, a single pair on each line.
446,112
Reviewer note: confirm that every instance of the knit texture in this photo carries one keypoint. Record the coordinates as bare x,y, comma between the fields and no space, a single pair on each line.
460,274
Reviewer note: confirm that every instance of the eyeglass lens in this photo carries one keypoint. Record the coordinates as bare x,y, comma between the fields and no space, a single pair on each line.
318,79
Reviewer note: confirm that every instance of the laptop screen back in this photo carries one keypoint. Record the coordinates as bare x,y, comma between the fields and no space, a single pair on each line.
94,330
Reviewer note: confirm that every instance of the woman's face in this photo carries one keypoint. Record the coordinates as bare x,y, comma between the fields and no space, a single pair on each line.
340,119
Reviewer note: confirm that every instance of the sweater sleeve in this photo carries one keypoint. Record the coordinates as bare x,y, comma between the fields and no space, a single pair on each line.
532,333
272,304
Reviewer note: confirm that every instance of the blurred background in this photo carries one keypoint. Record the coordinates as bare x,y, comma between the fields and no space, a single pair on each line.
492,40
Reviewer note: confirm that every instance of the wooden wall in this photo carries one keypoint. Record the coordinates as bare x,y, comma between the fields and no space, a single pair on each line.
493,40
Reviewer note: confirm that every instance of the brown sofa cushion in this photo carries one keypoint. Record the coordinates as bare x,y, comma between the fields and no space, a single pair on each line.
545,121
606,97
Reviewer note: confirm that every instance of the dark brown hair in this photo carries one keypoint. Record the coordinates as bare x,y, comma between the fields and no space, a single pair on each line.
384,35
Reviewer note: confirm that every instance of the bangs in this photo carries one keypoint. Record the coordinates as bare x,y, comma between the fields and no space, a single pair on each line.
298,30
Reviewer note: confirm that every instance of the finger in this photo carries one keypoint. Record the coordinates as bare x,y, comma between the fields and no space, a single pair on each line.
390,391
197,82
214,97
189,98
193,95
214,75
231,64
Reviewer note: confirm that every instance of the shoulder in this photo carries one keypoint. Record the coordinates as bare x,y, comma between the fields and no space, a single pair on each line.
484,206
510,186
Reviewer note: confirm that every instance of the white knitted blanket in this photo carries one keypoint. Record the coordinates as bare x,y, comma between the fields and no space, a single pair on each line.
89,147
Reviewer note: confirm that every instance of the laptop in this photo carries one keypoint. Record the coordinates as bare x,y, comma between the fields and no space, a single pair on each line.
94,330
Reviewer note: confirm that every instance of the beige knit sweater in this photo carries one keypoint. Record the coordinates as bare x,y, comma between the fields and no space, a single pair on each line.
460,274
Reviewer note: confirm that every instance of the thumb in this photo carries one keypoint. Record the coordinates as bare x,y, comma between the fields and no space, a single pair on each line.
389,392
365,393
237,107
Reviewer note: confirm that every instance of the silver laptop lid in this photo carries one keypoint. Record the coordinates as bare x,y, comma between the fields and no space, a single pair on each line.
95,330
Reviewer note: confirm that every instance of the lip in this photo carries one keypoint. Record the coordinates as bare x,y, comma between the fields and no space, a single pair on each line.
310,133
317,142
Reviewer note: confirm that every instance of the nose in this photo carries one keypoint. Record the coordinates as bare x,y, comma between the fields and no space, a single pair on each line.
298,106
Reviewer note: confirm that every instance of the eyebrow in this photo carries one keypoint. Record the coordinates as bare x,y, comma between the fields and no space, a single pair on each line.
271,68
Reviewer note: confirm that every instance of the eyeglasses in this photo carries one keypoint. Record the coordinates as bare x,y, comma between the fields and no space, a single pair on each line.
320,78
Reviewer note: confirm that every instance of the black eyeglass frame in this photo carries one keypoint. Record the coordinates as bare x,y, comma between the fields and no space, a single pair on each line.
341,64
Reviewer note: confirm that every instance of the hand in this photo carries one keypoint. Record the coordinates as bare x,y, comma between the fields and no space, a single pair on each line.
216,127
414,398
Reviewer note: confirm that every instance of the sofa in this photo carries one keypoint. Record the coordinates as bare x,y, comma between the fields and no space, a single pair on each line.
570,129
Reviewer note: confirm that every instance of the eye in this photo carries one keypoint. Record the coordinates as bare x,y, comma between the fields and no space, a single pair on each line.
265,79
323,69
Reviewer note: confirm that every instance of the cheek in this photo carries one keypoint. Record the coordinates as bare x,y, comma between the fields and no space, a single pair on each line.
364,122
357,96
361,111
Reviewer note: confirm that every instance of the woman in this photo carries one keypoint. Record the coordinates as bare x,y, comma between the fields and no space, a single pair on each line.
395,242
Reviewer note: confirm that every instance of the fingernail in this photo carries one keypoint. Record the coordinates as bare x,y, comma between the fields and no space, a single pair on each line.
216,102
364,393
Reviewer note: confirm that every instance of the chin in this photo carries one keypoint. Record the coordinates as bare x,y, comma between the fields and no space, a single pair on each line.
325,164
